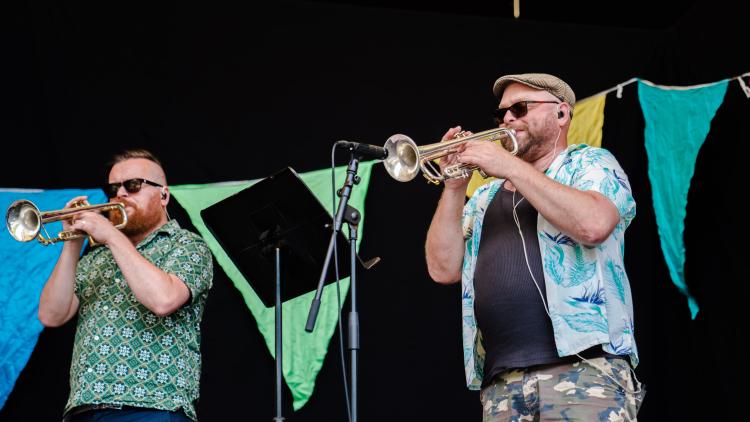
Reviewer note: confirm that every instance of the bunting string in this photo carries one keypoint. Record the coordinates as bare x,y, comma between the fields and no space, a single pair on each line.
621,85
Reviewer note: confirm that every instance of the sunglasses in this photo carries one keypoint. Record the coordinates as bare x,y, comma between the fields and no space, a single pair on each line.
518,109
130,185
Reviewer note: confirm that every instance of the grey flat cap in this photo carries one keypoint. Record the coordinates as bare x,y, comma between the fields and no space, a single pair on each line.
549,83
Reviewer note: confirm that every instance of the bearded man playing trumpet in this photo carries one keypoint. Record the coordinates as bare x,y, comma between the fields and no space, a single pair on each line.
547,309
139,296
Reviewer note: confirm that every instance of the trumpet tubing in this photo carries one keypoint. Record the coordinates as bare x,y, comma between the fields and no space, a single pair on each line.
405,159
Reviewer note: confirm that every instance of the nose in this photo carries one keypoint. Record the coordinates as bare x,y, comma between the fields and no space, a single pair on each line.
121,191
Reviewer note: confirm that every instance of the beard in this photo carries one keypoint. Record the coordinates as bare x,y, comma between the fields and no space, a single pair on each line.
141,220
533,140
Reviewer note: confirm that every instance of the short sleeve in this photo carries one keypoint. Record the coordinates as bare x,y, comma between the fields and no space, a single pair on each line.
191,261
467,218
476,205
599,171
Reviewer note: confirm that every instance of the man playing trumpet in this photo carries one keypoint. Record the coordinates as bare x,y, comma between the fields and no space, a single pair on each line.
547,309
139,297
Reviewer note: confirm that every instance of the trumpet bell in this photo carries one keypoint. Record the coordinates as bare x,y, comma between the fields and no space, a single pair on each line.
23,220
402,161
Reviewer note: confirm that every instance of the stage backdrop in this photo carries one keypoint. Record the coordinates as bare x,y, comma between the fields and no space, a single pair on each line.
237,92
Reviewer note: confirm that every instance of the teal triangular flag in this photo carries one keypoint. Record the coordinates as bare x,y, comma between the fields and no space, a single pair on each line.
677,122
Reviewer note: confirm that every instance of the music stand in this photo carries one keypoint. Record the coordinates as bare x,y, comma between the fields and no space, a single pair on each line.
276,226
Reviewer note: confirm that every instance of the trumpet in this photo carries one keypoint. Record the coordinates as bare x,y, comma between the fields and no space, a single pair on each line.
405,159
25,222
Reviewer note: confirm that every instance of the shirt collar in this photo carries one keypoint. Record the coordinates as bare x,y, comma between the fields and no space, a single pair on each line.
170,228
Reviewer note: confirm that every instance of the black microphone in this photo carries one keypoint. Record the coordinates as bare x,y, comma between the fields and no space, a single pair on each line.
364,150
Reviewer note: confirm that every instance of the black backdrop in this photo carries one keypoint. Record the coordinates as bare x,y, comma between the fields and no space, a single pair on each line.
229,92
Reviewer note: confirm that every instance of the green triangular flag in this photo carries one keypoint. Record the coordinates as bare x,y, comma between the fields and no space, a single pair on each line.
677,123
304,352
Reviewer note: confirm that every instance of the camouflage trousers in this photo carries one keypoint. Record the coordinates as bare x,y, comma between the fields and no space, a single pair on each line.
566,392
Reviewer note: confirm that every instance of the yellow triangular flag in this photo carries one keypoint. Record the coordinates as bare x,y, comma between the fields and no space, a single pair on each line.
586,127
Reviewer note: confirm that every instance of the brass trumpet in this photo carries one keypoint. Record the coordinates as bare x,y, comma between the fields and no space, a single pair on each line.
405,158
25,221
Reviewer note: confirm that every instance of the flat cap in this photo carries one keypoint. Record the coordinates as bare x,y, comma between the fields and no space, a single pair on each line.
543,81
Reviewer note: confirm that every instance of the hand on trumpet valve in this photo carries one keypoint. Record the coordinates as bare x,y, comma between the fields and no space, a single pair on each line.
456,133
490,157
452,158
95,225
73,203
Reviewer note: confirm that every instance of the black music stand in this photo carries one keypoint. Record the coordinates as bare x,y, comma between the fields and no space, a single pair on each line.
276,226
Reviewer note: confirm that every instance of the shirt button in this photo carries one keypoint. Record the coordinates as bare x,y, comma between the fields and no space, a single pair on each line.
105,307
90,370
96,338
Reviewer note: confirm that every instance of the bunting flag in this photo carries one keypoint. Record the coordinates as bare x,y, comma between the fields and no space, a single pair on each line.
588,120
677,123
25,269
304,352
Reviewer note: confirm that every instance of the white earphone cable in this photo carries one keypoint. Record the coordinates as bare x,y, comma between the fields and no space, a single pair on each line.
636,392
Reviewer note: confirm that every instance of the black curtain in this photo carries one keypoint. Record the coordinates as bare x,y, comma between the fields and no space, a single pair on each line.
237,91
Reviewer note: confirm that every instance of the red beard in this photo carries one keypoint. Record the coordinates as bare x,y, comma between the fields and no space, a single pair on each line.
140,220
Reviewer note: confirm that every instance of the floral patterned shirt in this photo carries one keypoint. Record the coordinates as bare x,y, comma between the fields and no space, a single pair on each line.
588,292
124,354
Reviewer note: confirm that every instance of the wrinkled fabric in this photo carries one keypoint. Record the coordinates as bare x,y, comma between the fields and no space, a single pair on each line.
587,123
304,353
24,270
677,123
600,389
123,353
588,292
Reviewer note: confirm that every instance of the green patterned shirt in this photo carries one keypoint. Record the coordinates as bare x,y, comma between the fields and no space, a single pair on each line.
125,354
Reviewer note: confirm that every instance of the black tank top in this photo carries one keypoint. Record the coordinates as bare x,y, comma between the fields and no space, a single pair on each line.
516,330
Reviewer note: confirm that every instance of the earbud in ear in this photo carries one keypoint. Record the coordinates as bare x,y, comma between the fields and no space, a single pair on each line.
163,194
560,113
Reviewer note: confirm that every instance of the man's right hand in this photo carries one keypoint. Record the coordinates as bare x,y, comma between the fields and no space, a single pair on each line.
454,184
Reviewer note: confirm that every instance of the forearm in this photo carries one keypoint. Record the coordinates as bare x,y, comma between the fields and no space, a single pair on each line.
57,303
586,216
444,248
161,293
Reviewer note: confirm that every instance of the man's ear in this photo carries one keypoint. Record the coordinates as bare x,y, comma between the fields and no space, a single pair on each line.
564,110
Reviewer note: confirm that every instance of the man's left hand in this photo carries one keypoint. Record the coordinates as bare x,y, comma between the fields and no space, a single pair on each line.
490,157
97,226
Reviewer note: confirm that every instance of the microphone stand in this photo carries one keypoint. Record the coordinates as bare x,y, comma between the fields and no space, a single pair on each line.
276,244
353,222
278,353
351,216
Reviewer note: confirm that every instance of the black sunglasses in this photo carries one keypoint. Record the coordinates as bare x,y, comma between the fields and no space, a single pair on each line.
518,109
130,185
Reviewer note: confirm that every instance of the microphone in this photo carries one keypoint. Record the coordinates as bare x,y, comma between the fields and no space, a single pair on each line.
364,150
